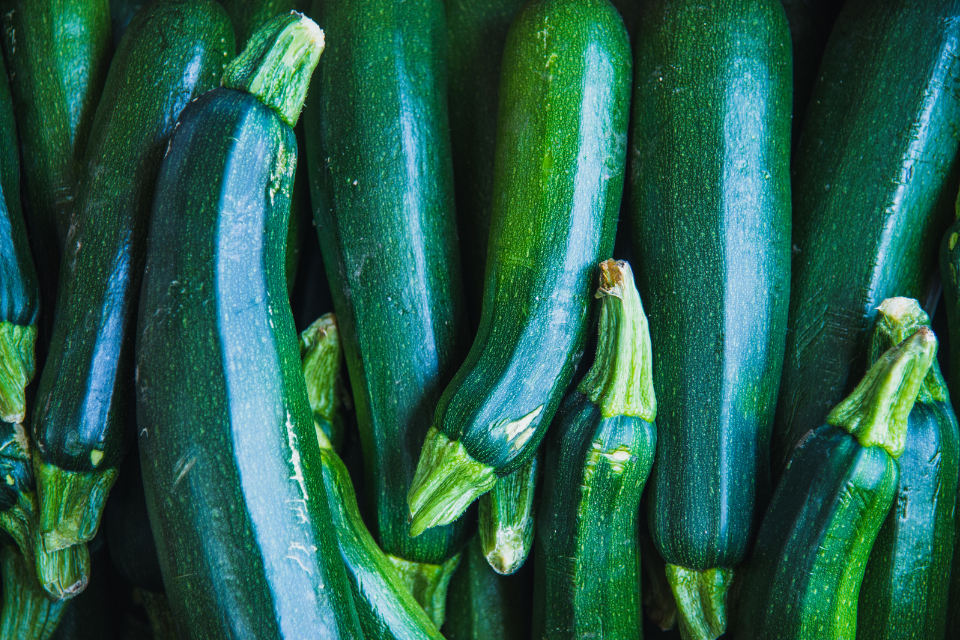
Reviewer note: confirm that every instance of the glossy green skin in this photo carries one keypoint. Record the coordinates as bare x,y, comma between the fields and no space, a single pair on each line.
710,191
871,186
950,275
127,527
386,608
558,178
231,466
86,386
825,514
378,150
477,32
904,593
249,15
588,558
19,288
484,605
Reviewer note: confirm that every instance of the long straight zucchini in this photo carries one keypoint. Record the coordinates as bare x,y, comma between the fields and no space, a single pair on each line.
599,454
558,178
804,576
381,178
19,288
904,593
872,189
174,51
245,488
710,190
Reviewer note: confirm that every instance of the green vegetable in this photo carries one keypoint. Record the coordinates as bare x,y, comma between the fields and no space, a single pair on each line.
121,13
172,52
871,178
507,520
127,527
27,613
804,576
322,357
710,196
231,466
249,15
381,178
599,454
558,178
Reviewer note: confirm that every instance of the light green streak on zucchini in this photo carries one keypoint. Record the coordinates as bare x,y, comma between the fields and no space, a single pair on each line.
27,613
876,412
74,502
17,367
447,481
507,520
322,357
701,598
277,63
897,320
428,583
620,381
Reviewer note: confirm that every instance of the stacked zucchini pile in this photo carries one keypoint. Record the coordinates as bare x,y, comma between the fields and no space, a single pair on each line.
781,176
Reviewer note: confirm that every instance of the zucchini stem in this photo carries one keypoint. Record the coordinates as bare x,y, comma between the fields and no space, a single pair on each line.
507,520
27,613
428,583
322,358
17,366
277,63
877,410
701,598
620,381
897,320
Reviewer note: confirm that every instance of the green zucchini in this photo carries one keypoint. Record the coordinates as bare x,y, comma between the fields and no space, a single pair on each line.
804,576
19,288
127,527
121,13
506,518
172,52
872,176
598,456
712,109
381,179
246,489
904,593
564,102
249,15
476,32
27,612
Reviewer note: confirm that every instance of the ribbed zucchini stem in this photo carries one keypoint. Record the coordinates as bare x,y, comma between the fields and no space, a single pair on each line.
428,583
701,598
620,381
27,613
322,358
17,367
277,63
507,518
897,320
877,410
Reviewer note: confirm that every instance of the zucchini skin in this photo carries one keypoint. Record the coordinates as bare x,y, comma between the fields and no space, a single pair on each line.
237,505
550,225
588,557
904,592
807,566
950,274
712,108
875,160
249,15
127,527
384,209
85,388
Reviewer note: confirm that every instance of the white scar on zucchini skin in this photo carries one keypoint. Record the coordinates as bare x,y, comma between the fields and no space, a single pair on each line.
295,458
184,466
305,549
518,431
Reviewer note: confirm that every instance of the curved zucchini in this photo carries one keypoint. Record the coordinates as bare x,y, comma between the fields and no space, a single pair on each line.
381,178
506,518
19,288
598,457
27,612
871,178
172,52
804,576
711,108
558,178
246,488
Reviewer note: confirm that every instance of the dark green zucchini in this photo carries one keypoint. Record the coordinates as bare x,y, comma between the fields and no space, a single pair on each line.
121,13
172,52
27,612
710,195
249,15
237,508
381,179
904,593
564,103
872,184
804,576
19,288
598,456
506,518
476,32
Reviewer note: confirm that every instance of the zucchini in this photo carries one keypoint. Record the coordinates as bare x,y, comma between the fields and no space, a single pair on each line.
598,456
713,266
172,52
121,13
904,593
381,179
249,15
127,527
550,226
506,518
871,178
246,489
804,576
19,288
88,615
27,613
476,32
